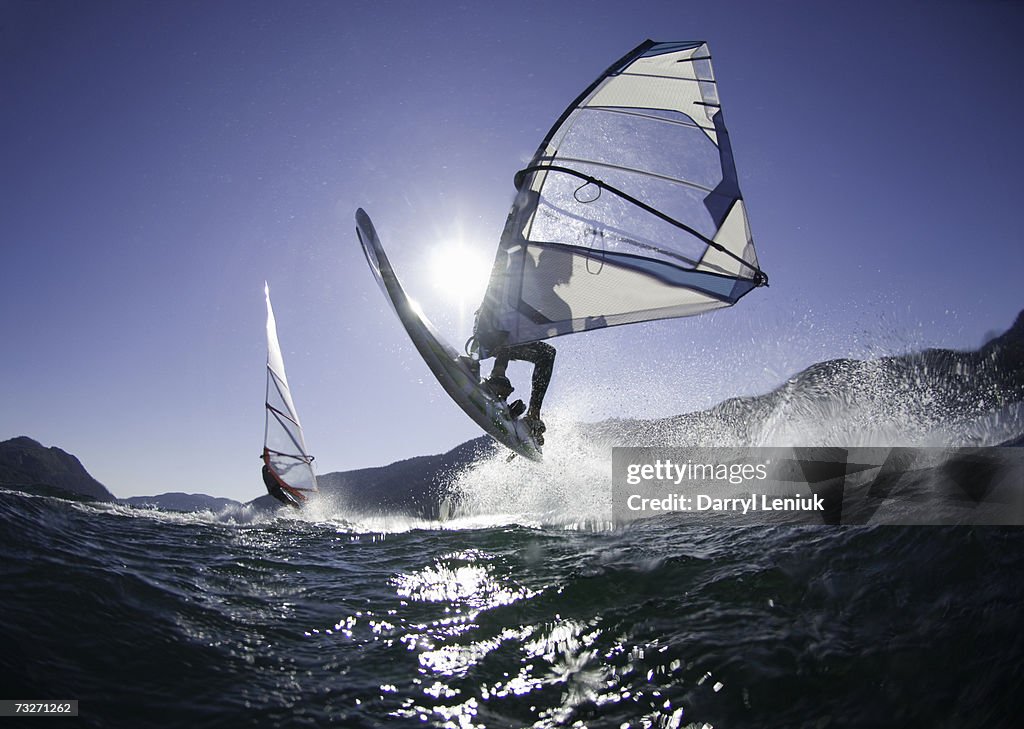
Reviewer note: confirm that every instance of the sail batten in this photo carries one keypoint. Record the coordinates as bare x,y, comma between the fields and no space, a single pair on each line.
279,414
610,166
629,210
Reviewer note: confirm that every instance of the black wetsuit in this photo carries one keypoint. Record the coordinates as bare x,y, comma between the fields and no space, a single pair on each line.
542,355
274,488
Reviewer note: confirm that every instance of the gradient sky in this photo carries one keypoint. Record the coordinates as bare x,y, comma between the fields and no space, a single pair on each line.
160,160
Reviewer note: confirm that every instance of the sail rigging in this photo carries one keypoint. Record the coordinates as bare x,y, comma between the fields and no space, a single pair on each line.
629,211
284,449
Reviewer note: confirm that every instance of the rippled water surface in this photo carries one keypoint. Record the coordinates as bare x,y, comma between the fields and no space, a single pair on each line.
154,619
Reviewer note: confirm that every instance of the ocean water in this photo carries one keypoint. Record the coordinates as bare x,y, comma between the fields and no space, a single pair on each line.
527,619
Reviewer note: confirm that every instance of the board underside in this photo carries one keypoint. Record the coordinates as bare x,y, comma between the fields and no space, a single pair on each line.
451,371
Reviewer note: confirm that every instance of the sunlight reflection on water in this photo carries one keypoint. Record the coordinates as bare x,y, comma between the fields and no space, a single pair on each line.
471,583
561,664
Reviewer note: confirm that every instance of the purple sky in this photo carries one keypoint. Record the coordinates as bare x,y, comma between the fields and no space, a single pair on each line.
160,160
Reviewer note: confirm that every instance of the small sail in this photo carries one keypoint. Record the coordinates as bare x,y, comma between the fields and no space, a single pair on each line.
287,463
629,211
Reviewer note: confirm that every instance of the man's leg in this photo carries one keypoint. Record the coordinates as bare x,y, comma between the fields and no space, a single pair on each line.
542,355
498,383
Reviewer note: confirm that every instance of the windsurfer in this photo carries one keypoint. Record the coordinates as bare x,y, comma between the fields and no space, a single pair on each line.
557,271
273,487
287,467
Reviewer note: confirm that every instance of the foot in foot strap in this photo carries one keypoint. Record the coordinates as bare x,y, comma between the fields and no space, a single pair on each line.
537,428
469,365
498,386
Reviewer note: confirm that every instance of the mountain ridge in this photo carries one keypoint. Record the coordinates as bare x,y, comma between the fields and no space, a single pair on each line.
27,464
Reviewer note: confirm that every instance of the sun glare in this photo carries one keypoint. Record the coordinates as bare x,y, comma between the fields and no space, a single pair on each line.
460,272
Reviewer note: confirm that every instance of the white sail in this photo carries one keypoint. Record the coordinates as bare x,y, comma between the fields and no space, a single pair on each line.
629,211
284,448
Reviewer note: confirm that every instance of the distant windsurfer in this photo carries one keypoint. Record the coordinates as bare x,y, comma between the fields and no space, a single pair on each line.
274,487
287,466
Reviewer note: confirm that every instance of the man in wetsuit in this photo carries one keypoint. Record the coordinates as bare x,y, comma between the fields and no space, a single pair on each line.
273,487
490,339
